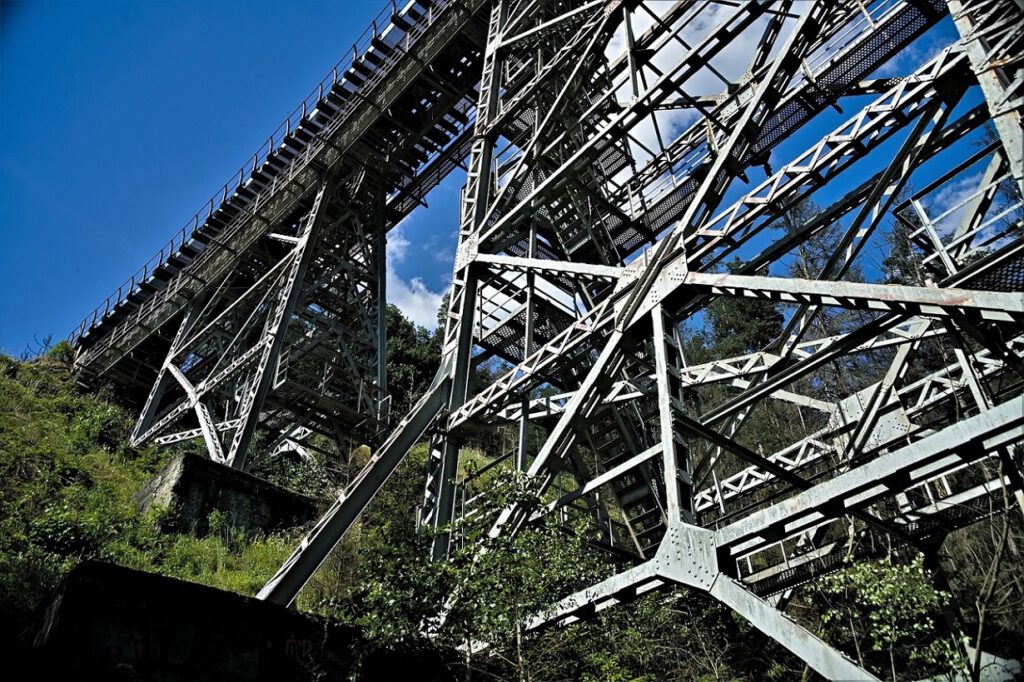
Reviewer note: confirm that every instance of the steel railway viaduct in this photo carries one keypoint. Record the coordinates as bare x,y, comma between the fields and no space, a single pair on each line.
618,153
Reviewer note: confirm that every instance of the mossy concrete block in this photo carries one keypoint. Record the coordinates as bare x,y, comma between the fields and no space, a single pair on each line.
192,488
106,622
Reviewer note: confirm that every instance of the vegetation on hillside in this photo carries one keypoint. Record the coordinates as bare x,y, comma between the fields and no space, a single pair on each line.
67,486
68,480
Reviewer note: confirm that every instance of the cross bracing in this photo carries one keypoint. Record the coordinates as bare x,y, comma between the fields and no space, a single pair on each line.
265,313
622,155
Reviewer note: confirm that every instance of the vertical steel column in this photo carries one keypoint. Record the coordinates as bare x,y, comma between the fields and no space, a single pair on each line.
973,21
382,300
524,419
678,483
439,498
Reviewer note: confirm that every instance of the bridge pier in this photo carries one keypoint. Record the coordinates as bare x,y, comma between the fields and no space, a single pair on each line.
191,488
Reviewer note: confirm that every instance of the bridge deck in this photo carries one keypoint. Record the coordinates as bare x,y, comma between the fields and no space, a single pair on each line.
405,94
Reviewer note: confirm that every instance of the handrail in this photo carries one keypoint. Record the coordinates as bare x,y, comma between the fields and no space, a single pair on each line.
384,31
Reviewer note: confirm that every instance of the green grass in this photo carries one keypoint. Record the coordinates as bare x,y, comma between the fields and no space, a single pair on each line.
67,484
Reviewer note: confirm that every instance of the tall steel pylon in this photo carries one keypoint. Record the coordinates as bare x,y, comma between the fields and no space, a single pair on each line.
622,153
305,332
260,328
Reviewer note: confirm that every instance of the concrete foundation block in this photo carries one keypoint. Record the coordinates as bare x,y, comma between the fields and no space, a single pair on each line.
193,487
106,622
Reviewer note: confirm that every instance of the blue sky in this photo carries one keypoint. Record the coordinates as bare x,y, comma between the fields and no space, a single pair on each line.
120,118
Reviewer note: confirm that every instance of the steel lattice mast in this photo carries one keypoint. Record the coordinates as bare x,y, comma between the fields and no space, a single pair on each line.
576,170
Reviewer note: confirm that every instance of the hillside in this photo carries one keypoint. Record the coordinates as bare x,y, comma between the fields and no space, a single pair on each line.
68,481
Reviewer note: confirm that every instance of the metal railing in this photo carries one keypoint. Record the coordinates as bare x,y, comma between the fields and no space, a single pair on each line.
392,29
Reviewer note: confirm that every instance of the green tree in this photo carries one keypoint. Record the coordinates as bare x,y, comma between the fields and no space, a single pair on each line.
741,325
733,327
902,261
413,355
886,614
68,479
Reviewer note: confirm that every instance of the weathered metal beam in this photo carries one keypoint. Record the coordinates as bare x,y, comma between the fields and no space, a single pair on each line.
283,587
964,441
888,298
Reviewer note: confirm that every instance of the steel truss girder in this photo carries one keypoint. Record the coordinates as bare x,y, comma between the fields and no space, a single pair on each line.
554,165
426,76
689,555
831,155
931,456
443,457
913,399
286,352
735,371
910,401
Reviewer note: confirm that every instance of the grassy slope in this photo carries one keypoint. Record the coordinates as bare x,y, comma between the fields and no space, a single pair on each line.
67,481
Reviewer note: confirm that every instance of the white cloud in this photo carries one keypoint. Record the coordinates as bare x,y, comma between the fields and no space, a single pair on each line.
412,297
397,245
731,64
948,207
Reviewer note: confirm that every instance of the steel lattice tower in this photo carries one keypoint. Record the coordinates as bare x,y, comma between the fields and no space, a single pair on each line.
263,318
596,224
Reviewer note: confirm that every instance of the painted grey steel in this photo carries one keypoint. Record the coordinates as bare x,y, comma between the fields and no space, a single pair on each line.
553,276
630,165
